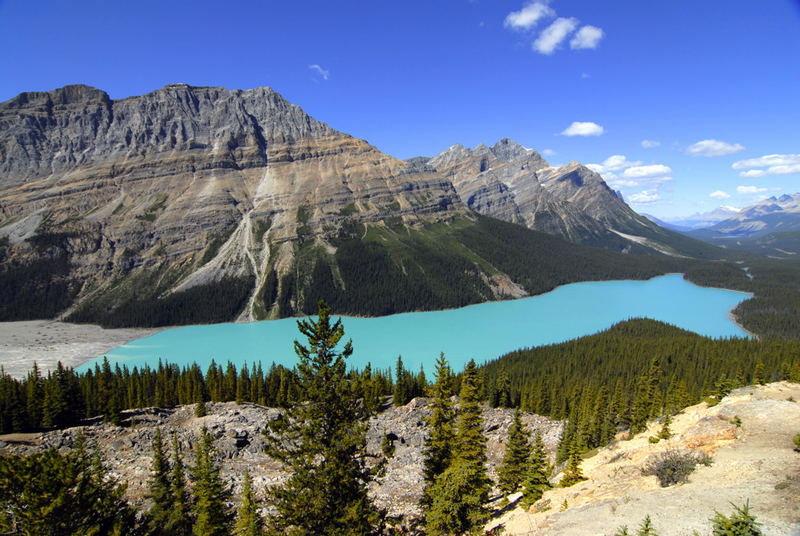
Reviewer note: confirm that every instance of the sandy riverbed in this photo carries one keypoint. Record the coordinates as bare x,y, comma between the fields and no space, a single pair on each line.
48,341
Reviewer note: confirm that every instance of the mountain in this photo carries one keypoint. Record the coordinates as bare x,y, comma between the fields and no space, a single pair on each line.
202,204
770,227
699,220
775,214
665,224
515,184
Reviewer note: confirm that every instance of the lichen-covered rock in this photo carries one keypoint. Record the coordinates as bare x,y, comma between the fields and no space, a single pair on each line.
239,441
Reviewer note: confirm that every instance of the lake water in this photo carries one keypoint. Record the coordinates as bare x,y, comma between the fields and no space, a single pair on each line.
481,332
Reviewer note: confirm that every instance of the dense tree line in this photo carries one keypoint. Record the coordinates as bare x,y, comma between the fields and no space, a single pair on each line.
561,380
216,301
774,310
385,270
63,397
635,371
39,287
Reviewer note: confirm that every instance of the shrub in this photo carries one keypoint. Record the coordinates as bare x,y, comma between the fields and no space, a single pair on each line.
674,466
797,442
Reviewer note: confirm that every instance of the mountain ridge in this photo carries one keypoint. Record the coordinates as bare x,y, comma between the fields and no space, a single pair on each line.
514,183
769,227
206,204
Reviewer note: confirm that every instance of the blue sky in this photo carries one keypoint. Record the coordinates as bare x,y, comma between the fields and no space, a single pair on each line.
415,77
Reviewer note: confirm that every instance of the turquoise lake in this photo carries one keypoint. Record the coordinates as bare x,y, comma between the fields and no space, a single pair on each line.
481,332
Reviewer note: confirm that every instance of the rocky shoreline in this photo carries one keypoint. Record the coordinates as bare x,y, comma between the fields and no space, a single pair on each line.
47,342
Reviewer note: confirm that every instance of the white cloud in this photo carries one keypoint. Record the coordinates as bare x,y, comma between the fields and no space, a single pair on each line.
587,37
750,189
775,164
645,197
617,162
597,168
650,144
768,161
548,152
615,182
753,173
633,174
552,36
654,171
323,73
713,148
719,194
579,128
527,17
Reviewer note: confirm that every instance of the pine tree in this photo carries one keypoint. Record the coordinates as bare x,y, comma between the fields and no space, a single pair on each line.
34,392
51,493
665,432
211,495
740,523
322,443
180,521
401,395
512,471
248,521
441,433
646,528
459,494
200,409
536,481
758,374
572,473
159,488
456,508
644,401
502,392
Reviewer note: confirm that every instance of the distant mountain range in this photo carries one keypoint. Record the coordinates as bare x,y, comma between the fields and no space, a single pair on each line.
770,227
200,204
699,220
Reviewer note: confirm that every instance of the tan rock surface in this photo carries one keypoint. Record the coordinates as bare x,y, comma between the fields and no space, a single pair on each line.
239,430
515,184
148,182
753,463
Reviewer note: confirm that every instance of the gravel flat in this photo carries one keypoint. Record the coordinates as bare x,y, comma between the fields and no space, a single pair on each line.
49,341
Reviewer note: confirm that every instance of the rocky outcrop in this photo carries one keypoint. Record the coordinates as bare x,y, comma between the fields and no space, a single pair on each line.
515,184
203,182
748,436
239,431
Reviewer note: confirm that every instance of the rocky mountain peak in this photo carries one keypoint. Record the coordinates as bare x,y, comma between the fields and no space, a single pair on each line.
204,182
52,132
510,151
72,94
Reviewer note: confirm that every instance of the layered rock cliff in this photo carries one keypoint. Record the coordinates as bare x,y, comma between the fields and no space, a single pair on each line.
204,181
515,184
202,204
